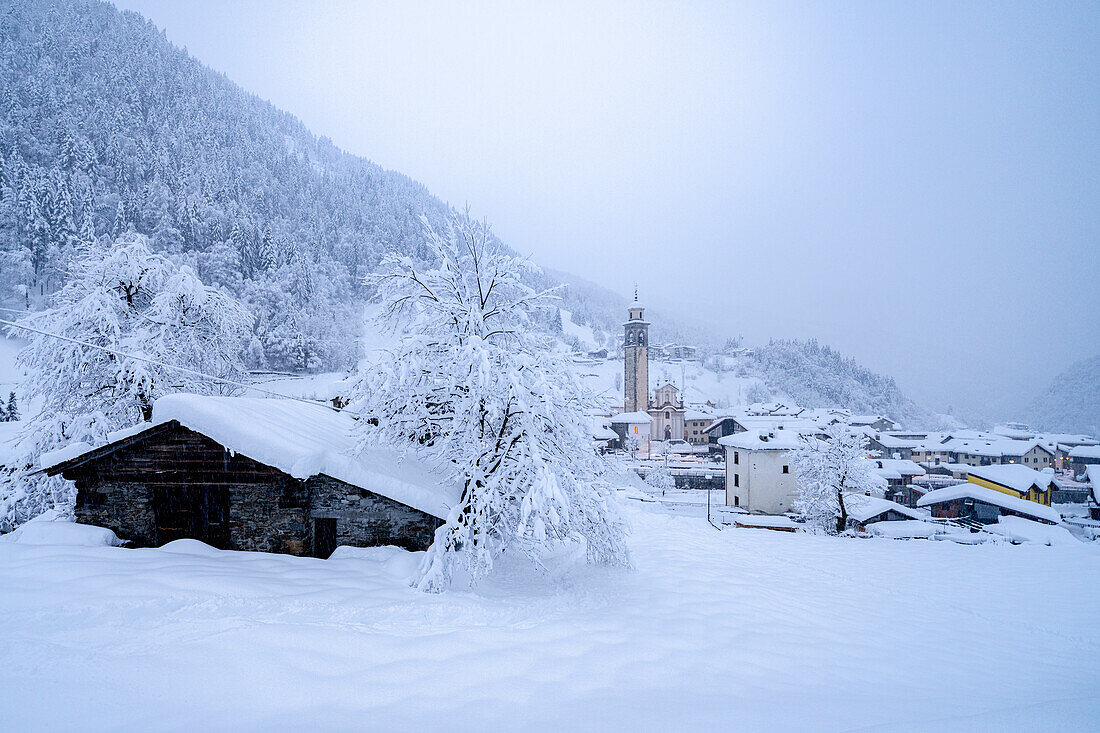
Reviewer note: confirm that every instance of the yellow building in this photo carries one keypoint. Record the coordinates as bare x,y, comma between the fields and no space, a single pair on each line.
1015,480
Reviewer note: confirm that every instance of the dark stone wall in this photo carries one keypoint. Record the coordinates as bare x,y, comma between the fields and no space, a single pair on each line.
365,519
124,507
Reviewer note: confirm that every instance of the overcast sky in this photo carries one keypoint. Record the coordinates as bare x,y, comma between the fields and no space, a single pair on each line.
918,185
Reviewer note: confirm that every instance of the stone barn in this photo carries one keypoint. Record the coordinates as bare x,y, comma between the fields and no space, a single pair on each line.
241,473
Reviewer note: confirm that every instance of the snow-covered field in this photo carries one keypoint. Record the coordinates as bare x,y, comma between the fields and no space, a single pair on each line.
734,629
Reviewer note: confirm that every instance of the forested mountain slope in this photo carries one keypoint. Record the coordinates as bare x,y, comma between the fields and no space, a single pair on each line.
1072,402
107,127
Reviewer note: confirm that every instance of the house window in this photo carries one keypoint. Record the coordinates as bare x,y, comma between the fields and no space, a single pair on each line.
736,500
736,458
737,479
786,469
668,416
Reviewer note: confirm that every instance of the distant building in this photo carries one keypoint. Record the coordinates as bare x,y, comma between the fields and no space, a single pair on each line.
898,475
680,352
1083,456
876,422
1015,480
695,427
636,425
865,510
983,505
758,472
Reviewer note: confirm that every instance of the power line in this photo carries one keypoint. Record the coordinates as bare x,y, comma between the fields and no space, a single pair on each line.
147,360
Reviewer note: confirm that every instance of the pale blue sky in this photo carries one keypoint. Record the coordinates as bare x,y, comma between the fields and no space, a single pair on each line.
915,184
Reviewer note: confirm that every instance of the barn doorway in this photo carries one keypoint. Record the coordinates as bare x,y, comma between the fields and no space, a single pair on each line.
324,537
192,512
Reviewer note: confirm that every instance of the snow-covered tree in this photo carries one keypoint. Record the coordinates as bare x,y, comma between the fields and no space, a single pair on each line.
832,474
11,414
660,479
115,339
476,389
631,444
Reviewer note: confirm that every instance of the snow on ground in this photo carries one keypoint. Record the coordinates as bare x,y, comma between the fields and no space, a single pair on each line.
585,335
745,629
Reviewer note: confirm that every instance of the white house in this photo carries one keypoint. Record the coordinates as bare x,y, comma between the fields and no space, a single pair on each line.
758,473
633,425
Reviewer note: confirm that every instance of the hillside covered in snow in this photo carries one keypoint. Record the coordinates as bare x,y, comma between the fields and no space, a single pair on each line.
1071,403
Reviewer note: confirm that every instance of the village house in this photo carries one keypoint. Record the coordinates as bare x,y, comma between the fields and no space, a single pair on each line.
898,475
239,473
1015,480
866,510
632,425
1083,456
875,422
982,505
894,444
758,472
695,427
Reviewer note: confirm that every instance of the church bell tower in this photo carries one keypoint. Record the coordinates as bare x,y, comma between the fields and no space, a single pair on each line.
636,359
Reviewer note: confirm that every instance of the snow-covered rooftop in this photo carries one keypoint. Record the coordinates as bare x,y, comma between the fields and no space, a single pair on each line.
762,440
631,418
900,466
1014,476
1085,451
299,439
989,496
862,508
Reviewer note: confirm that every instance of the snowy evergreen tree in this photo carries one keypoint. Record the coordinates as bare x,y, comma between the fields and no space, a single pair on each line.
832,474
11,413
474,388
153,317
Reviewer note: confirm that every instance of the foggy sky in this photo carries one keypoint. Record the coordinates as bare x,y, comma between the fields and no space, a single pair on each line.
916,186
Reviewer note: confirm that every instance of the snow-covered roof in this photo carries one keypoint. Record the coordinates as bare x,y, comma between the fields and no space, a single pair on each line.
952,467
695,415
868,419
989,496
899,466
1085,451
1014,476
299,439
862,508
1018,431
631,418
600,431
762,440
892,441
